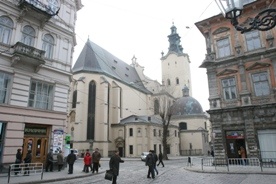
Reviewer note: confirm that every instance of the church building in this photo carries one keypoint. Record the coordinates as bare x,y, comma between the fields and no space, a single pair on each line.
114,105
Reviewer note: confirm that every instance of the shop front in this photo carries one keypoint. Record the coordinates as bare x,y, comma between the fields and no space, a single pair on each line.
36,139
234,141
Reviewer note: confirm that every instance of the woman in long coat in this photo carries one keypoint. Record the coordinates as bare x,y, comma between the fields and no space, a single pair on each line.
114,165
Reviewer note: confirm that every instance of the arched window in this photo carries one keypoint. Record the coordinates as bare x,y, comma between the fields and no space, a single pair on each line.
48,45
168,82
183,126
6,26
74,102
91,111
177,80
28,35
156,106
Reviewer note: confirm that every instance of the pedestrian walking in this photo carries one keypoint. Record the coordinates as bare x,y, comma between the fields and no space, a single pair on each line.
60,160
18,160
160,157
114,165
87,162
49,161
96,157
150,163
155,160
27,161
71,158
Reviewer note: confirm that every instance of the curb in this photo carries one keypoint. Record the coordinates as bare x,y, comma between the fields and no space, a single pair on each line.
228,172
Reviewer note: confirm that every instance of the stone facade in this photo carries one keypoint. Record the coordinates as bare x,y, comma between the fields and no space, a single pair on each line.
241,76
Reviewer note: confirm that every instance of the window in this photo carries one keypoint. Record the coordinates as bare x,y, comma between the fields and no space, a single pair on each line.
260,83
5,81
168,133
183,126
168,148
41,95
74,102
130,149
131,132
48,46
177,80
159,133
156,107
28,35
229,88
175,133
223,47
6,26
252,40
91,111
2,137
154,132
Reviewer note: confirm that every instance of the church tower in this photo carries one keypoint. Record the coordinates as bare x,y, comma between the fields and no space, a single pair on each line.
176,67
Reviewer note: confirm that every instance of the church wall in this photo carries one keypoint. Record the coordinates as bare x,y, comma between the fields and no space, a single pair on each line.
132,102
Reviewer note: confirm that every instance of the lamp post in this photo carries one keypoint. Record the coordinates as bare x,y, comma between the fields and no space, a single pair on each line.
232,9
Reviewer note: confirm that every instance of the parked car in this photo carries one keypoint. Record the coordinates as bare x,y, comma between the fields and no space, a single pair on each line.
144,155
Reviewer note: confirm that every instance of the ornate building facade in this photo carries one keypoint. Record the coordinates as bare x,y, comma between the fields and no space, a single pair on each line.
36,47
241,70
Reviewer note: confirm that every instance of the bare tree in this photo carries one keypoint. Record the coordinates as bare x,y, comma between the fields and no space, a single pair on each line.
165,114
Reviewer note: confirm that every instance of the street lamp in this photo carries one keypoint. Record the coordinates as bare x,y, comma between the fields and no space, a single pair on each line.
232,9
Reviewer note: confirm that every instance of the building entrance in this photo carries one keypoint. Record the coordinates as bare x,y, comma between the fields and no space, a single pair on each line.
36,140
234,140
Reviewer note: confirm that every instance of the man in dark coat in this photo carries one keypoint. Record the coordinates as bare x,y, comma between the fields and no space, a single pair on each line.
18,160
71,158
27,160
114,164
150,161
49,161
60,160
96,157
160,156
155,159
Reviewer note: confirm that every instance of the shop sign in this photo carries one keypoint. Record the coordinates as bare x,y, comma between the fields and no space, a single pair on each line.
234,135
35,131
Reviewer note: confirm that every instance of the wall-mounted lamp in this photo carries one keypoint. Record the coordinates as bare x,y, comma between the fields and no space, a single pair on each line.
232,9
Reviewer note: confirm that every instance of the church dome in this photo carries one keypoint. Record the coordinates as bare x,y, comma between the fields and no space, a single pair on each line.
186,105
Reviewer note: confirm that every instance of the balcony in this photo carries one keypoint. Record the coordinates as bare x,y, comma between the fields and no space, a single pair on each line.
37,9
28,55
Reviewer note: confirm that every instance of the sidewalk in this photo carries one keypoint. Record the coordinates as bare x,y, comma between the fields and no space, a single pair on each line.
57,176
232,170
78,166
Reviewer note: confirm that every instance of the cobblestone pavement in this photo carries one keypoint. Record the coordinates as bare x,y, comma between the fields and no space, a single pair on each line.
135,172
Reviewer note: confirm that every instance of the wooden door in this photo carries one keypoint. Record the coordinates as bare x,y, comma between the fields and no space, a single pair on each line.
38,147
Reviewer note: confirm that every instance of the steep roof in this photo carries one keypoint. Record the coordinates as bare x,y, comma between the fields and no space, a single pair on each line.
95,59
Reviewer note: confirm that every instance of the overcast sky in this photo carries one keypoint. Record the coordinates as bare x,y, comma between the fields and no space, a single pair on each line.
140,27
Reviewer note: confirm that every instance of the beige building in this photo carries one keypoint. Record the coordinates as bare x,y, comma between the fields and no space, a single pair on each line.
115,106
36,46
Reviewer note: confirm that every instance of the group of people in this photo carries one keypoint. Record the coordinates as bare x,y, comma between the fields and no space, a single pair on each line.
151,161
19,160
92,161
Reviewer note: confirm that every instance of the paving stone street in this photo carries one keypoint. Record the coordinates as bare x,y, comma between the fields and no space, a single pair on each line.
174,172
